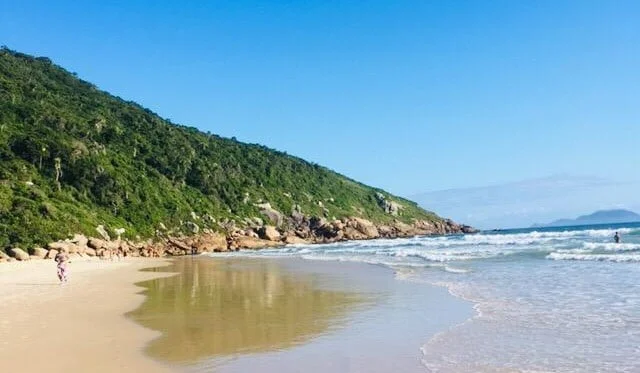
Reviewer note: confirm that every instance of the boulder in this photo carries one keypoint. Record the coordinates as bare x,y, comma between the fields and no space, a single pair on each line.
390,207
254,243
367,228
80,240
103,232
96,243
316,222
4,255
403,229
386,231
38,252
293,239
274,215
193,227
67,246
51,254
209,242
269,233
89,252
351,233
33,257
18,253
468,229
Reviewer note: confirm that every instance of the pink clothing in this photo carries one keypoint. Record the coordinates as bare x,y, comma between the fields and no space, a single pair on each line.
63,273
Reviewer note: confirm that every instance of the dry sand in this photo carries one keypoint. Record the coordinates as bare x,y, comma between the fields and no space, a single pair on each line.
76,327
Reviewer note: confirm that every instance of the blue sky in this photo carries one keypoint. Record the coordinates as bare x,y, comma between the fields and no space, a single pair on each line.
410,96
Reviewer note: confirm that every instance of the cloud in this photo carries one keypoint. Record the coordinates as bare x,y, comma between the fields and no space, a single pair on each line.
523,203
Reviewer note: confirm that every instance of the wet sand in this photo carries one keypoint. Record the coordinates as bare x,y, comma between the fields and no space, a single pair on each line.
291,315
218,315
76,327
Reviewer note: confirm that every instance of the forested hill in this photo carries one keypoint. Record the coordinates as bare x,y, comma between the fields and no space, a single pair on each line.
73,157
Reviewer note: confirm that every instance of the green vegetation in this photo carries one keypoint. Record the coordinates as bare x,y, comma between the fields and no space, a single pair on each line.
73,157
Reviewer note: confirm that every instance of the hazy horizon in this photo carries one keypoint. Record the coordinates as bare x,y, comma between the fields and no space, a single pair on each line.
533,201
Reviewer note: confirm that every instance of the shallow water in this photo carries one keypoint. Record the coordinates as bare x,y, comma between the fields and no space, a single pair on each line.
232,315
561,299
215,308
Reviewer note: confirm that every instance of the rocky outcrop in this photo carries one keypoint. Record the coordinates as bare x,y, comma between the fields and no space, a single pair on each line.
292,239
269,233
38,252
390,207
253,235
275,216
18,254
255,243
4,257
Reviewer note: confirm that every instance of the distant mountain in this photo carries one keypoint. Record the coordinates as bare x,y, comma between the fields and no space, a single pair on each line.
598,217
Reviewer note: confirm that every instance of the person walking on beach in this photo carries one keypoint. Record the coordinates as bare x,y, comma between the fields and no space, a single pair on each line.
63,272
616,237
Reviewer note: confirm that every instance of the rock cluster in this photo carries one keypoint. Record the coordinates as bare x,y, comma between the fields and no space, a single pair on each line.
300,230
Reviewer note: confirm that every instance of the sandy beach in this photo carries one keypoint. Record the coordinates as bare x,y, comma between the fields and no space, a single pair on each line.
76,327
217,314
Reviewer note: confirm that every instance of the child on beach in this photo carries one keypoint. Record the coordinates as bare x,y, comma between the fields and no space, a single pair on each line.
62,259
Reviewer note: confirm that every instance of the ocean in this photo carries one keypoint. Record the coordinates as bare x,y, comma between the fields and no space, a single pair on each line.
563,299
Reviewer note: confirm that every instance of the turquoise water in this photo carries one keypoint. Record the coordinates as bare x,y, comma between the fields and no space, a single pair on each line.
556,299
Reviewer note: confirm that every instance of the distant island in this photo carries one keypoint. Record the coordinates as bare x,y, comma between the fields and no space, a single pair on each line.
598,217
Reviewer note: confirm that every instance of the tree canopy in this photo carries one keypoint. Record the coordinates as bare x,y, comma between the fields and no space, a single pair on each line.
73,157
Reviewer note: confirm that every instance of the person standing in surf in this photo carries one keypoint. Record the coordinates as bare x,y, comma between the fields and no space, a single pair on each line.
616,237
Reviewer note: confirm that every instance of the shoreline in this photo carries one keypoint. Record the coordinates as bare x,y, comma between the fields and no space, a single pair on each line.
86,325
79,326
383,335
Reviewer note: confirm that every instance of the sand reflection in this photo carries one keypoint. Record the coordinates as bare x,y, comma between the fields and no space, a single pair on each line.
221,307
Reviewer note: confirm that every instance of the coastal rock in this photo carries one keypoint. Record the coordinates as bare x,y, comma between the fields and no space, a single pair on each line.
351,233
66,246
193,227
80,240
38,252
424,227
403,229
89,252
209,242
251,233
18,254
254,243
469,230
103,232
316,222
269,233
367,228
96,243
293,239
390,207
4,256
385,231
274,215
51,254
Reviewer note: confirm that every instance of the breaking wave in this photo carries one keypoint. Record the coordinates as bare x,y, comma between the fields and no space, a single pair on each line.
586,244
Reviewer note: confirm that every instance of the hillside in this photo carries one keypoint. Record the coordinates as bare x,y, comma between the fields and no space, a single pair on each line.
73,157
598,217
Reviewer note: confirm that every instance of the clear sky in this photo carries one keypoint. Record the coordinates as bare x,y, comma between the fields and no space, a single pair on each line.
410,96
